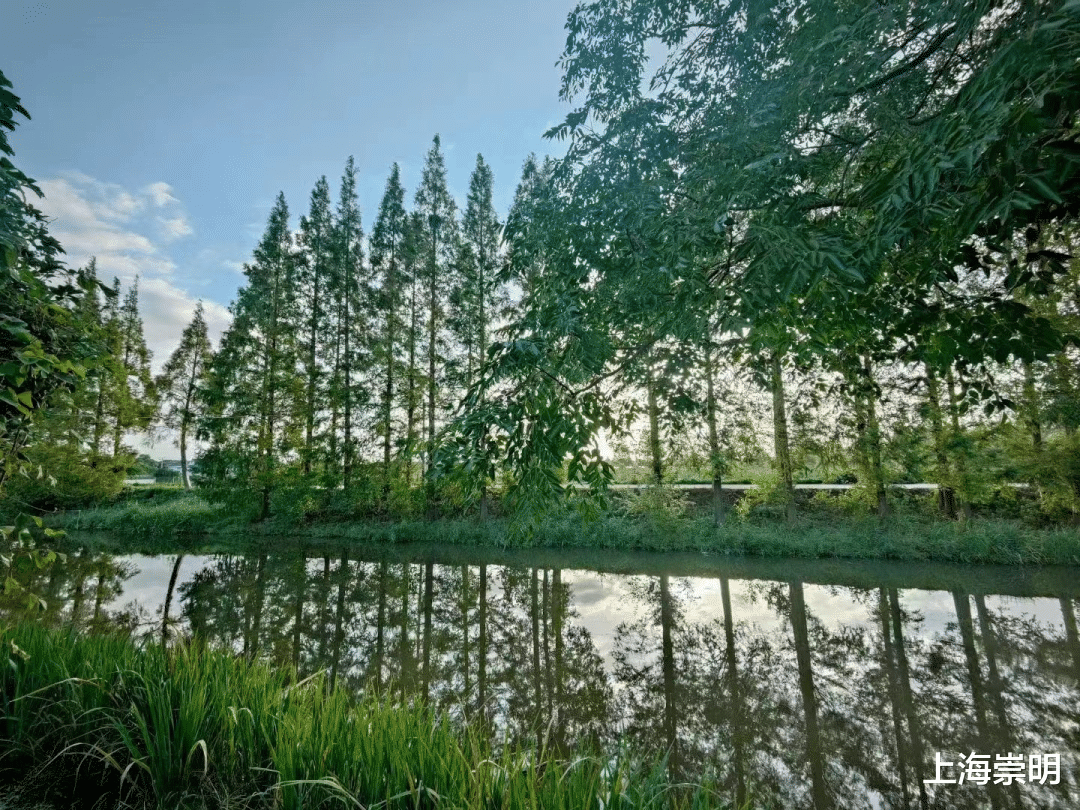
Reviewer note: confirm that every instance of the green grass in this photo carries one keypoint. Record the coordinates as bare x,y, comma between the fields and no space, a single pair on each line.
827,526
100,718
186,514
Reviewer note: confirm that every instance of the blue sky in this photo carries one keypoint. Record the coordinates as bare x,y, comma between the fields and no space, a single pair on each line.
161,132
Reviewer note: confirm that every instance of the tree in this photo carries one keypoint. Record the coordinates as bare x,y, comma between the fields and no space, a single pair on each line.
771,155
134,397
179,383
42,350
387,246
478,290
254,417
352,297
437,211
478,293
312,279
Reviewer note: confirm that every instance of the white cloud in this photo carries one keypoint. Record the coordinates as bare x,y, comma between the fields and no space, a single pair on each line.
166,310
175,227
103,240
94,218
160,194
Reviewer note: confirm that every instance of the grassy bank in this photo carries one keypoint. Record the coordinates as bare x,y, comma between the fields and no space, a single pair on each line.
98,720
818,532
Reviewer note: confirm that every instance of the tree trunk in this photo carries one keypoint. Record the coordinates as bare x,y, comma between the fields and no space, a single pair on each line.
873,442
346,327
914,727
482,651
735,708
298,613
715,459
388,390
168,599
961,461
557,632
1031,408
545,611
667,645
403,637
946,493
780,437
654,434
183,456
410,405
429,595
257,601
339,617
534,615
1072,637
465,604
894,695
431,386
380,631
809,696
978,692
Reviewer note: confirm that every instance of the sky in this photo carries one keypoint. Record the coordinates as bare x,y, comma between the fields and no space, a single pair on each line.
162,132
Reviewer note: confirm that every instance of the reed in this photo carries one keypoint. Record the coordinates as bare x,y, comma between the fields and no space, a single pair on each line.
189,726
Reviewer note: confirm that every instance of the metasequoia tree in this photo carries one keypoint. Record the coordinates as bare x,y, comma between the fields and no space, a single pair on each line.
349,325
134,399
179,383
316,303
255,395
439,232
387,264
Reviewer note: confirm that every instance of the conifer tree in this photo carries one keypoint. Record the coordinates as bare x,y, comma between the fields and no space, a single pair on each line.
134,399
86,397
387,246
525,233
413,258
350,320
256,391
106,386
437,217
179,383
478,289
315,237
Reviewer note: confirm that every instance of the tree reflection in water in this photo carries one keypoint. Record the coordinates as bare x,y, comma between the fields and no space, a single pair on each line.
791,694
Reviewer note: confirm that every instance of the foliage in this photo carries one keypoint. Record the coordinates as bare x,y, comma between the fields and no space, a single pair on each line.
167,727
66,476
19,554
253,416
768,164
659,503
185,372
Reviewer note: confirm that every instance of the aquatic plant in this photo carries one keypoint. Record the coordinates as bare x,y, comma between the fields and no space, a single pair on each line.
150,726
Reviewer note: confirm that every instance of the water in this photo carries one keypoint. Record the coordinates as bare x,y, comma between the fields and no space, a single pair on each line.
803,683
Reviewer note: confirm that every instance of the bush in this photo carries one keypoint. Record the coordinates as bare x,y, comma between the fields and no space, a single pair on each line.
65,477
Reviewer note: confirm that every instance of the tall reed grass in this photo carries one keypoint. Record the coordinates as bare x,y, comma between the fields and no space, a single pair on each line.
186,514
196,727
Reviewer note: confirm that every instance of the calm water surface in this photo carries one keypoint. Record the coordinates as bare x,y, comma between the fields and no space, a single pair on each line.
803,684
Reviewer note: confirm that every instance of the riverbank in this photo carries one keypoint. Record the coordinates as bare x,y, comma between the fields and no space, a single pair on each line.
98,721
818,532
